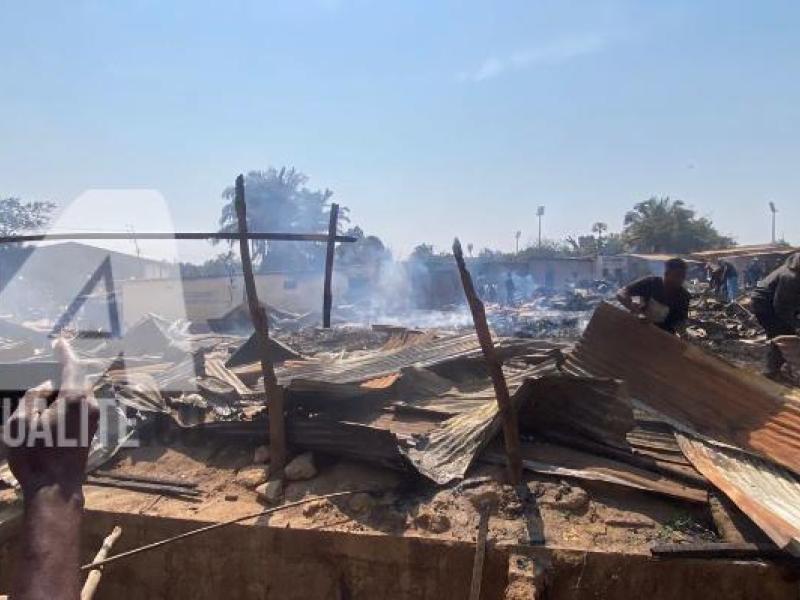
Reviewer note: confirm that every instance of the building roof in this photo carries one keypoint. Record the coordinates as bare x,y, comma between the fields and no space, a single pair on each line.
744,251
658,257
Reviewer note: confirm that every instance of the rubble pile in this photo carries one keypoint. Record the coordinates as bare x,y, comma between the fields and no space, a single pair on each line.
713,320
627,408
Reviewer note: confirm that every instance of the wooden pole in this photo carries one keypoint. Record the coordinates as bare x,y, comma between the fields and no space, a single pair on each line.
507,413
93,579
327,295
277,429
172,235
480,553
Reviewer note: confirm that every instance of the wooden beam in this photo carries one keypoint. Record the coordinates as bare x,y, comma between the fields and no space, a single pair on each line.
719,550
507,413
327,295
155,235
732,524
277,428
480,553
93,579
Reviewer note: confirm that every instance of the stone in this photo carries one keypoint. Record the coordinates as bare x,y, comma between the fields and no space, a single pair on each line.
261,455
252,476
361,502
231,497
566,498
433,522
483,495
301,467
312,508
271,491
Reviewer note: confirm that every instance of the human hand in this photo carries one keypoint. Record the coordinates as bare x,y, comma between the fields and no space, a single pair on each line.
48,445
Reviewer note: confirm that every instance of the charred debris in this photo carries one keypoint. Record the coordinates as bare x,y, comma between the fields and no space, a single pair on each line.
564,387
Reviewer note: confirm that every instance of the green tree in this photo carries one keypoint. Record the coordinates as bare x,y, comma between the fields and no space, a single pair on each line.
17,217
667,226
226,264
367,250
422,252
279,201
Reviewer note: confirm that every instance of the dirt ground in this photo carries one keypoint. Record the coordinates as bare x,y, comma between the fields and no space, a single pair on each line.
545,510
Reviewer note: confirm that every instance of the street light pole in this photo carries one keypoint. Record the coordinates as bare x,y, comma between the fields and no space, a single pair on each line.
774,211
540,214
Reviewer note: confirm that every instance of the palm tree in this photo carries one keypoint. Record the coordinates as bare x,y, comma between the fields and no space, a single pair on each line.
664,225
599,228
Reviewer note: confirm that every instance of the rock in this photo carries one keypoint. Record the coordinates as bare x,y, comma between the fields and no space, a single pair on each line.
433,522
300,468
483,495
361,502
261,455
312,508
231,497
252,476
271,491
567,498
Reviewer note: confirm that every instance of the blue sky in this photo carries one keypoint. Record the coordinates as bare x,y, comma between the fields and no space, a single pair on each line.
428,119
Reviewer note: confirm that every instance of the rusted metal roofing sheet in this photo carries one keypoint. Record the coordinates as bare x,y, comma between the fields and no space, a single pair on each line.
446,452
699,392
562,461
765,492
372,365
756,250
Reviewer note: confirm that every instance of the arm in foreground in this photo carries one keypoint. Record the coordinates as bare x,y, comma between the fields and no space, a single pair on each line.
48,459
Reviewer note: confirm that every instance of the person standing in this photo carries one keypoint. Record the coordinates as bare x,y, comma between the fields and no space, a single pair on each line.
510,289
754,273
730,280
776,303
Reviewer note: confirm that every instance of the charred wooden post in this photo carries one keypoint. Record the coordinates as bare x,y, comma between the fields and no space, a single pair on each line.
327,298
507,413
277,429
480,553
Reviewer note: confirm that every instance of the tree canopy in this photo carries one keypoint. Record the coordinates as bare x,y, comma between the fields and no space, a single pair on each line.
17,216
662,225
279,201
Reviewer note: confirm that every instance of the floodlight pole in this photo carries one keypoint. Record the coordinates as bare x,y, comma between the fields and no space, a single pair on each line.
774,211
540,214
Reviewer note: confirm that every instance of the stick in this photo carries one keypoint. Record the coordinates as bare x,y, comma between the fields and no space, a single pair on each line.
480,554
277,430
93,579
145,479
207,528
143,486
509,417
327,295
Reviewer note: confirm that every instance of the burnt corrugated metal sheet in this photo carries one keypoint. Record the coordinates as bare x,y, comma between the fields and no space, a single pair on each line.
765,492
557,460
697,391
372,365
446,452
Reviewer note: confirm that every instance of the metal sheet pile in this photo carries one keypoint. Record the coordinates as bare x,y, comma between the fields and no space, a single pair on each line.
629,406
739,430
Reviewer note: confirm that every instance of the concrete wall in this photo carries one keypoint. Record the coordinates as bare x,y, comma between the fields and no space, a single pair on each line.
201,299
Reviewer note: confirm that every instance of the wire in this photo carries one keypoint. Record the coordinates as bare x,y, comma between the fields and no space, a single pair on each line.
110,559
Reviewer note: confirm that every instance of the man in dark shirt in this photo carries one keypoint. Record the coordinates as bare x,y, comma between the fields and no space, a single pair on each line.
664,300
775,303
